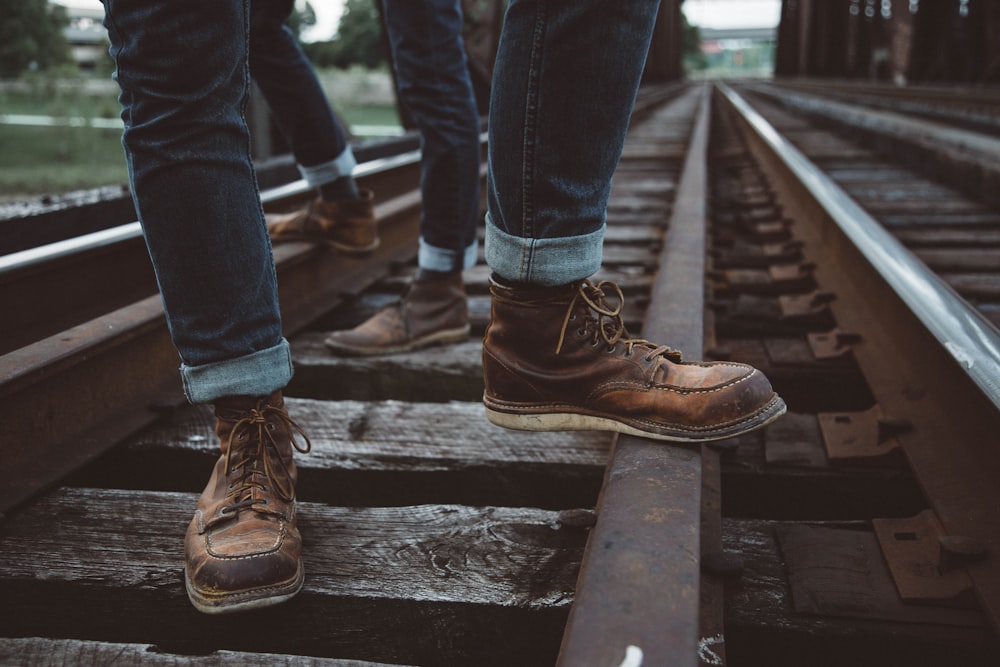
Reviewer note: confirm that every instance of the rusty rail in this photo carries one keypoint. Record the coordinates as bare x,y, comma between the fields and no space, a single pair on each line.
637,599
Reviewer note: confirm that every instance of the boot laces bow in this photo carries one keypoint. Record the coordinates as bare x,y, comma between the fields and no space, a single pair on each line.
609,324
258,464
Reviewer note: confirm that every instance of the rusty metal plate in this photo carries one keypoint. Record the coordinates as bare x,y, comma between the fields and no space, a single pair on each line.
834,344
866,436
913,549
805,305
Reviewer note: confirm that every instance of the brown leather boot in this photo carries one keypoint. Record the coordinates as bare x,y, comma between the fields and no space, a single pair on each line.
559,359
432,312
348,225
242,549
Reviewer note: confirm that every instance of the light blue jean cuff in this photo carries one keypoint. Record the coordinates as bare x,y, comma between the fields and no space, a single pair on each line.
328,172
440,259
556,261
257,374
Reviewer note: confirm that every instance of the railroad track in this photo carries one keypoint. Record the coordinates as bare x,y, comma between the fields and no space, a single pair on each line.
434,538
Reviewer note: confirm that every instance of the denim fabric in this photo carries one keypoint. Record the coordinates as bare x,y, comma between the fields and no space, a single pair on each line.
328,172
564,85
434,84
300,107
183,73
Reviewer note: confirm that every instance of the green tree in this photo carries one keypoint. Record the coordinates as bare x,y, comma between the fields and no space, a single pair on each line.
359,37
694,58
31,35
300,20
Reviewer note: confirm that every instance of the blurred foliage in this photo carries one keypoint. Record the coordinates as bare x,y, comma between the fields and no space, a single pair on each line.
31,36
691,51
358,40
302,19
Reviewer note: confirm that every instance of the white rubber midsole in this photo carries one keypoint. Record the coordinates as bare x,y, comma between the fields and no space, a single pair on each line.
568,421
571,421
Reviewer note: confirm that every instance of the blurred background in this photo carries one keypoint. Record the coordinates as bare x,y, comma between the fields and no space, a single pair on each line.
59,115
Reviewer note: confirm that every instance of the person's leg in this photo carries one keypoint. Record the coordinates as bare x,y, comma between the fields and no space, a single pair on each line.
564,84
341,215
435,86
182,69
556,355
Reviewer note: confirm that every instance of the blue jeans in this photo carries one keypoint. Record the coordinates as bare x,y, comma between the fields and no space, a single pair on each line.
183,73
433,79
564,85
297,101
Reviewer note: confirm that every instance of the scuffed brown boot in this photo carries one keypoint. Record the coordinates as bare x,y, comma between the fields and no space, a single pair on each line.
432,312
348,225
242,550
559,359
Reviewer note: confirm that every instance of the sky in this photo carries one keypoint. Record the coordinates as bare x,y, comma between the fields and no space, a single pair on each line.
732,13
702,13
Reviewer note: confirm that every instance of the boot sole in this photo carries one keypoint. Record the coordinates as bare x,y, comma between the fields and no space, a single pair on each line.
443,337
244,600
532,418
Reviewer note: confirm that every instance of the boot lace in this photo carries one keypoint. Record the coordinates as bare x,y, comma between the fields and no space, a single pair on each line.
257,463
609,324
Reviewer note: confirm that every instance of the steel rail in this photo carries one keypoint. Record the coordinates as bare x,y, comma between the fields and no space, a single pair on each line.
927,355
973,341
50,288
637,598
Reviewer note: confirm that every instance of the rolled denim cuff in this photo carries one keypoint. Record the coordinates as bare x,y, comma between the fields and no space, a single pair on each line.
442,259
258,374
328,172
555,261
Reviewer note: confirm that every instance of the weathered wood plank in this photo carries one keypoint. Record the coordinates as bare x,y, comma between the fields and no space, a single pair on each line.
447,585
808,384
772,474
632,280
452,372
957,260
381,453
763,628
39,652
479,316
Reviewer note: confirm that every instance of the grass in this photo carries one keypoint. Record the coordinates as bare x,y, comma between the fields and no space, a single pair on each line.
370,115
43,160
46,160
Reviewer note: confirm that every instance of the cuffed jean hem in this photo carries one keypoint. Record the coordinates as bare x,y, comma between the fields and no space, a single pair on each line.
556,261
440,259
257,374
328,172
